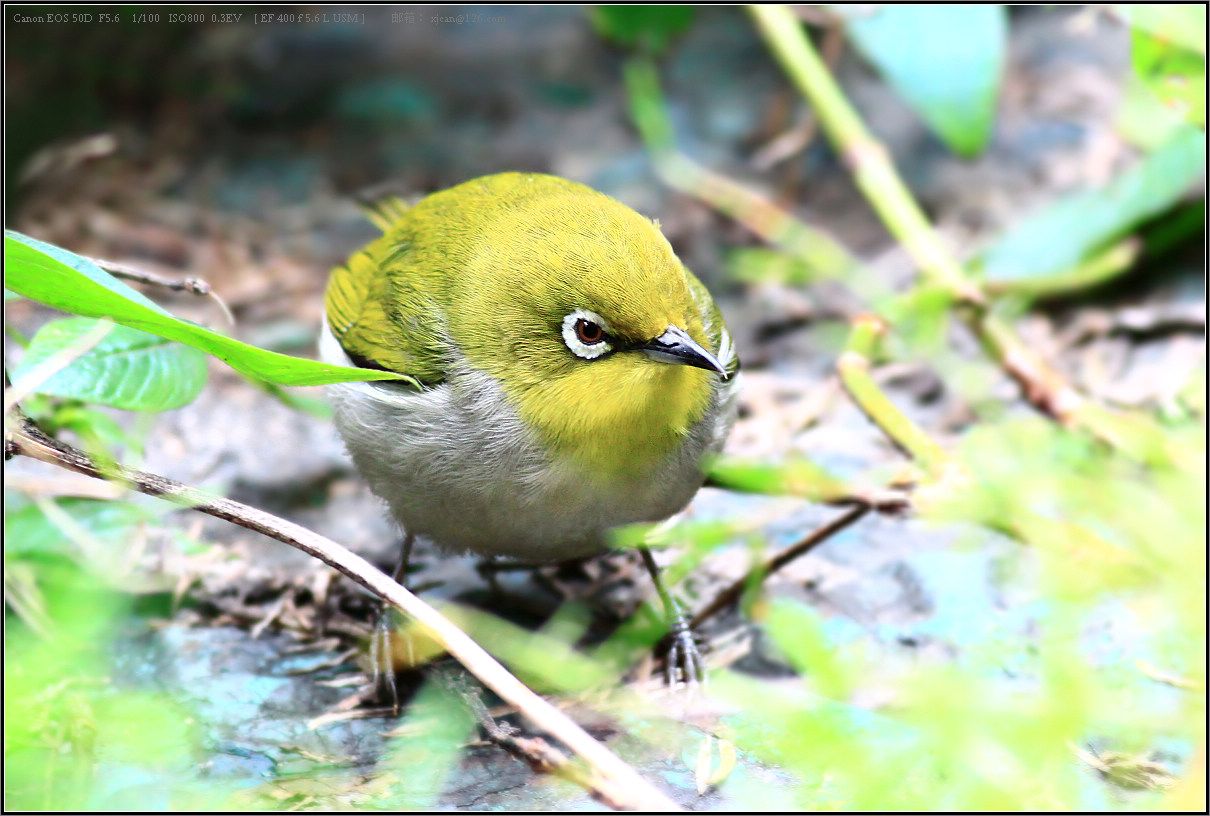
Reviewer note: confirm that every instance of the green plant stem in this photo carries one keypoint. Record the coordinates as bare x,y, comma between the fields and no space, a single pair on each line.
854,368
866,158
823,255
878,180
1041,385
734,591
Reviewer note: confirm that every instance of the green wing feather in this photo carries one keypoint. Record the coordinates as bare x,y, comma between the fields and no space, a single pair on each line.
388,305
379,304
387,213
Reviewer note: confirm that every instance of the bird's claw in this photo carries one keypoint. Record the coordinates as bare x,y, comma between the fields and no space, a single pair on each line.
683,665
382,661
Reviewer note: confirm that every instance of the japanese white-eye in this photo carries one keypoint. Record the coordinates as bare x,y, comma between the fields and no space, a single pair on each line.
571,375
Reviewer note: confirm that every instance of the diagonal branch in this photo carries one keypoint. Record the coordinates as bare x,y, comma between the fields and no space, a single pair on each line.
536,752
734,591
616,780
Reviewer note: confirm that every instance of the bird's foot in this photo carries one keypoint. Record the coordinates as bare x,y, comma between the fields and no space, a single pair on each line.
382,660
683,663
382,638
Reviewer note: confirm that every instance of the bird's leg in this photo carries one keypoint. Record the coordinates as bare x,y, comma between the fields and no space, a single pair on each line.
382,657
488,569
684,660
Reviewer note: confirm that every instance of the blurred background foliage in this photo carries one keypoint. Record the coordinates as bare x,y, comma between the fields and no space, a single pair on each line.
1073,680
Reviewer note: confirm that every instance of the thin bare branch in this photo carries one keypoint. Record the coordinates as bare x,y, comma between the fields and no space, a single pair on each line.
191,284
734,591
536,752
621,783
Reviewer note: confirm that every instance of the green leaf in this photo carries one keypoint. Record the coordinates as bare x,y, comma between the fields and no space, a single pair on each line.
420,762
1143,118
95,425
946,61
1065,234
127,369
29,532
316,407
651,28
797,477
799,634
1183,25
62,280
1175,75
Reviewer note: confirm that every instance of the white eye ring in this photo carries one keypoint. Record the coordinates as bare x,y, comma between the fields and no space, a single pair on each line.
589,351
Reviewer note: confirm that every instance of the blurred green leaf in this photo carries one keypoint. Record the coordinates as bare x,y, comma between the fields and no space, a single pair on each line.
315,406
1168,84
127,369
798,633
1176,75
946,61
72,740
427,749
650,28
28,531
1098,267
62,280
799,477
94,424
647,106
921,317
544,662
1058,238
1182,24
763,265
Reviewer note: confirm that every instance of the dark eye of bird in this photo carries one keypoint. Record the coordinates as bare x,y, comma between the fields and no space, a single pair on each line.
589,333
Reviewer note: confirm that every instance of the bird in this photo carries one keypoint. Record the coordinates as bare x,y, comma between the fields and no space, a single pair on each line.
566,374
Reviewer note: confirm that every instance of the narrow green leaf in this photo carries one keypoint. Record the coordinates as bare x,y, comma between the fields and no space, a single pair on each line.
73,284
798,477
1061,236
83,266
946,61
127,369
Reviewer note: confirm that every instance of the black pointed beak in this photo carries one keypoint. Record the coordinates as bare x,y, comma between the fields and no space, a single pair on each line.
676,346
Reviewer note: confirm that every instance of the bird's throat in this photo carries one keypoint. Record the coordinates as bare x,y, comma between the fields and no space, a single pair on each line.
617,422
